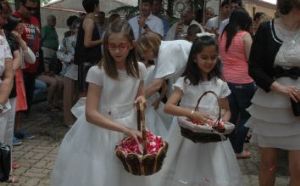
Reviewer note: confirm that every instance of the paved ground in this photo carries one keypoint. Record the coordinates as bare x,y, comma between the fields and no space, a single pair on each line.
37,156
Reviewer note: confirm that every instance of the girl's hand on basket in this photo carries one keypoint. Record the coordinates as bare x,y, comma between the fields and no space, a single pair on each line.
133,133
199,117
141,99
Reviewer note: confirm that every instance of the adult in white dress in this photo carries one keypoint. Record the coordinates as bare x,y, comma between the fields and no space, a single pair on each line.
170,59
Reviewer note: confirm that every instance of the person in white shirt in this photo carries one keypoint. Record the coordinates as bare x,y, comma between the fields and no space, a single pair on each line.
234,4
169,58
157,10
179,29
6,84
213,23
146,21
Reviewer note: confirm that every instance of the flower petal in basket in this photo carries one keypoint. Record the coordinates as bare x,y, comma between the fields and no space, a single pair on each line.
137,163
161,156
145,160
204,128
186,123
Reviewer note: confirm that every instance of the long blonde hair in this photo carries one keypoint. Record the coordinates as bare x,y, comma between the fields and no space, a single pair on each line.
108,62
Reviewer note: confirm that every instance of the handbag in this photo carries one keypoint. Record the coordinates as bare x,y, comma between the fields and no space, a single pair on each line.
205,133
5,161
295,107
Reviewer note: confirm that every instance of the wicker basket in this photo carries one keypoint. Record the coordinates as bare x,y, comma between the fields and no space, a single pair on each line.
204,133
144,163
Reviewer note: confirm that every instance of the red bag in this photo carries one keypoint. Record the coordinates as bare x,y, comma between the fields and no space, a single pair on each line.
21,103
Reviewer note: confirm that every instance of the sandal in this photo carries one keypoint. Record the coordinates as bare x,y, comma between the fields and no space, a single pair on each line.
243,155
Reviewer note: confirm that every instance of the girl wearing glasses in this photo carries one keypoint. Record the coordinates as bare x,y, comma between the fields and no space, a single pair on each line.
86,155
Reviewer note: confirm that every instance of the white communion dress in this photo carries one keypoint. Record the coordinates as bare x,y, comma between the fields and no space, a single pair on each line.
194,164
86,156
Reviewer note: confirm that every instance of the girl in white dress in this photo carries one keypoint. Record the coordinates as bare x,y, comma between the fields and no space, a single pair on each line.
189,163
86,156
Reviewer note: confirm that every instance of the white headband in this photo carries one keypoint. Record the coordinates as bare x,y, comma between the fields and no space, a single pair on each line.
206,34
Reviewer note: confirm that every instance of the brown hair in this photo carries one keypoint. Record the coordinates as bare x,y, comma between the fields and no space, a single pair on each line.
148,41
285,6
108,62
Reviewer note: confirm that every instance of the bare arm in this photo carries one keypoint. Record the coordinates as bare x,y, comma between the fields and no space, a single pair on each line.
29,56
153,87
291,91
172,108
88,27
140,97
7,81
224,104
247,39
162,94
16,60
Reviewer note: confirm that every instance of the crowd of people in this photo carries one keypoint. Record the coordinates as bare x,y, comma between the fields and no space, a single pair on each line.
103,67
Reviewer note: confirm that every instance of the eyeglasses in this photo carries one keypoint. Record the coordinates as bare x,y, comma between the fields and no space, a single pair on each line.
30,8
121,46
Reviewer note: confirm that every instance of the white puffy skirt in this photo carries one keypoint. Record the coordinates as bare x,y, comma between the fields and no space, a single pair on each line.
194,164
86,156
272,120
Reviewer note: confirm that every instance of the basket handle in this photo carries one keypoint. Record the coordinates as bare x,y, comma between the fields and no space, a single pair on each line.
141,125
213,93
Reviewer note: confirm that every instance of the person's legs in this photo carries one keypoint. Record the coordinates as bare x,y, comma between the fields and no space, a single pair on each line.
10,122
9,134
29,81
268,166
294,167
234,109
59,92
243,95
52,87
3,126
68,101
